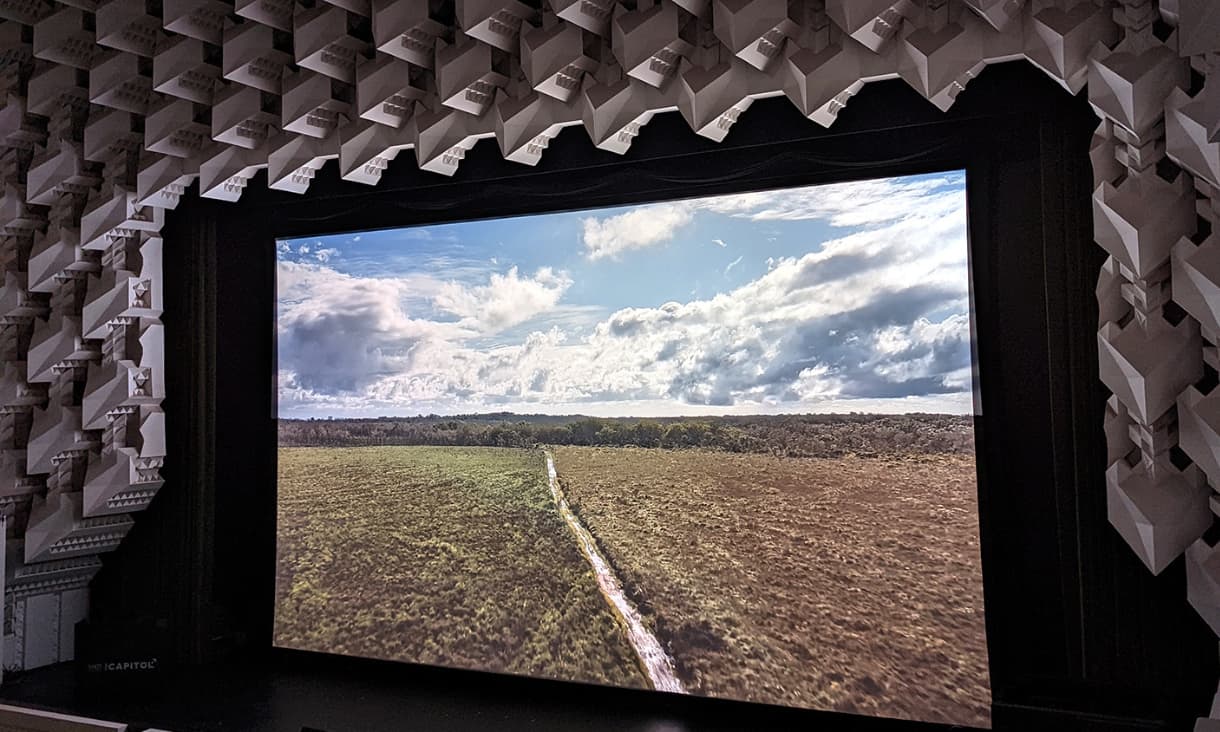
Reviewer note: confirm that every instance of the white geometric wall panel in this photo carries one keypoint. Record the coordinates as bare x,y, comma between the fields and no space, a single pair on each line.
110,109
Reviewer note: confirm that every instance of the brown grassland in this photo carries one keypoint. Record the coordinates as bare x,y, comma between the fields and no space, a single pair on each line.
850,584
453,556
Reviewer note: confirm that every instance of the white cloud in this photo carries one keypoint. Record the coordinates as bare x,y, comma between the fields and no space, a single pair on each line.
420,233
339,333
876,320
908,351
817,383
506,300
733,264
782,341
719,242
344,333
638,228
324,255
861,203
303,249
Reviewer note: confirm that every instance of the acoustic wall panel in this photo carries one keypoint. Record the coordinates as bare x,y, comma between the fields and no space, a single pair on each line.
108,114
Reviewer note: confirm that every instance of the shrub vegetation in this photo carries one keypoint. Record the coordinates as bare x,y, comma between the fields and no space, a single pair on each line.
798,435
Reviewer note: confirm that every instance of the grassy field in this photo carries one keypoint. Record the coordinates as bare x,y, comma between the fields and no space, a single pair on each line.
849,584
841,583
450,556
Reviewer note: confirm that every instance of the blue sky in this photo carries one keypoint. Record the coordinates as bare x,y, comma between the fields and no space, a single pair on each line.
848,297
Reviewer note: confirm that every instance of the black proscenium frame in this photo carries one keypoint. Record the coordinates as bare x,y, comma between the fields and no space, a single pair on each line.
1079,634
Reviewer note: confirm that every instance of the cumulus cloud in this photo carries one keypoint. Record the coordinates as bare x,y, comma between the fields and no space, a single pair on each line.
776,341
339,333
343,333
638,228
874,320
324,255
506,300
867,203
792,336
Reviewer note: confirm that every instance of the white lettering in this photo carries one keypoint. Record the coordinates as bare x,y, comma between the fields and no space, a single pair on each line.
149,665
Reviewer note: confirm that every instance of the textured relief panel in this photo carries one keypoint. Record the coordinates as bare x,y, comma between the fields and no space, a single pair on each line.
110,110
555,56
1129,85
1060,40
1189,132
80,272
1138,220
1147,371
1203,587
1160,512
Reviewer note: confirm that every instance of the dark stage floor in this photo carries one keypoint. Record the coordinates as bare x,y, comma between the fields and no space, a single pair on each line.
335,696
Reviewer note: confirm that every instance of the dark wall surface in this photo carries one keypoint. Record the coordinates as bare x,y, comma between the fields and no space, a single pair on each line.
1081,636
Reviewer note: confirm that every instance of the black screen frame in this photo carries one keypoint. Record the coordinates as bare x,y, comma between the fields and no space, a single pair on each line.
1077,629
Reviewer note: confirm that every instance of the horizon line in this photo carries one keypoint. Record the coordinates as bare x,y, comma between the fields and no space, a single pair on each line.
591,416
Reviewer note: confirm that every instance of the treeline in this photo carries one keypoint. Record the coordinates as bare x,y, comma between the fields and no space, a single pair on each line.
784,435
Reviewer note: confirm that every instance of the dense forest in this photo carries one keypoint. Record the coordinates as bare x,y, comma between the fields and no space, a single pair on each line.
803,435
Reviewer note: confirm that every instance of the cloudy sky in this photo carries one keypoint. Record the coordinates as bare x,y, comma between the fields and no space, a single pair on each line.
848,297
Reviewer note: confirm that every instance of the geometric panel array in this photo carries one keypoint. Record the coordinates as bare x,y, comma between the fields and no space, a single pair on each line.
110,109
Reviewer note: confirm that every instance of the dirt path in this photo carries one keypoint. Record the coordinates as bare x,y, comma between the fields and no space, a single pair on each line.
655,661
846,584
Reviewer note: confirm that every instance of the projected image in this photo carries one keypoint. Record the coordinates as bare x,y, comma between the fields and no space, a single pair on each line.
719,446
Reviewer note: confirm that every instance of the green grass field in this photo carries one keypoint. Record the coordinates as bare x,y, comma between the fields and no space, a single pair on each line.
439,555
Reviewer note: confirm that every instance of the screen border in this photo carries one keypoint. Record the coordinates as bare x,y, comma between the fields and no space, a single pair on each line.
976,396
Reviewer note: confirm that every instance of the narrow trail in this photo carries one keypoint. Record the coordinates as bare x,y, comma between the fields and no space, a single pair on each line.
656,662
